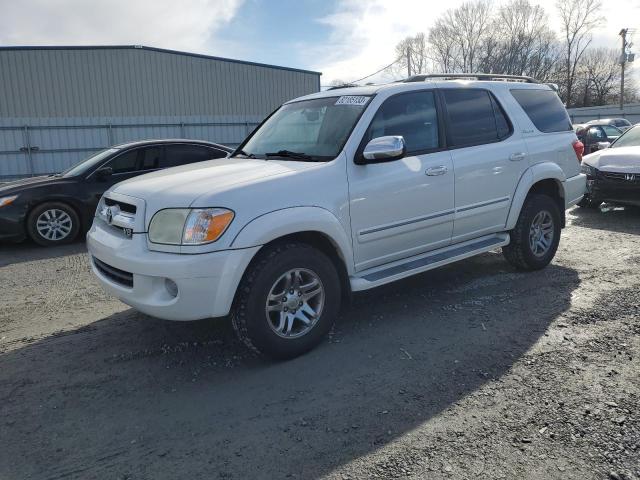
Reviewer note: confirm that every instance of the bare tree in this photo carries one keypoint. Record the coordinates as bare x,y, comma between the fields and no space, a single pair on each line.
601,75
578,19
443,48
521,42
516,39
457,39
412,56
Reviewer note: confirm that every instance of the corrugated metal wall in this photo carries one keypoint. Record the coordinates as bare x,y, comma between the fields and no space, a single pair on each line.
57,105
631,112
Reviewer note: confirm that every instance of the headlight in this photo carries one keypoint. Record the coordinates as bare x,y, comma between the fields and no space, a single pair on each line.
588,169
187,226
7,200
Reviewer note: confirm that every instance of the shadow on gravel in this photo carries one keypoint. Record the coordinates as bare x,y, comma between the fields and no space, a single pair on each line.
618,219
27,251
134,397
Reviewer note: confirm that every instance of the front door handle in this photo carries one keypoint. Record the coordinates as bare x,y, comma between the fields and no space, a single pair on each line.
515,157
439,170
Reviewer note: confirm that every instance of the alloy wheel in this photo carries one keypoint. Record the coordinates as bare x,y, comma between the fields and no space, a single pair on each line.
295,303
541,233
54,224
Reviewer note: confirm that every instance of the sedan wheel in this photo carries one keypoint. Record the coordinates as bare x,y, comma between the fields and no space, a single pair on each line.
54,224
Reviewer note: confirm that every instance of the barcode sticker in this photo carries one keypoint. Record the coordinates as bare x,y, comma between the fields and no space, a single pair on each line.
352,100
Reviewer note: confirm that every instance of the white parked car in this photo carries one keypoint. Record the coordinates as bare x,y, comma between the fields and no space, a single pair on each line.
621,124
341,191
613,173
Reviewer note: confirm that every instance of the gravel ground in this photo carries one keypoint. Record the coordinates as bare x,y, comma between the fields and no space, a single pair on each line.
472,371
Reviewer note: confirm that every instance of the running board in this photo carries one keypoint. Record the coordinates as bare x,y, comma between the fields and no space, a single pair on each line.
406,267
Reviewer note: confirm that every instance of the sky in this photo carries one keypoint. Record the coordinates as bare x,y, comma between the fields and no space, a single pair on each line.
343,39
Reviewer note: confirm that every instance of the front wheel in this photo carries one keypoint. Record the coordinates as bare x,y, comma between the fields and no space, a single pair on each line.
53,223
287,301
536,236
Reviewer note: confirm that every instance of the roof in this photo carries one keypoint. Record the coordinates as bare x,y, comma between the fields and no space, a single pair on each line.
417,85
600,121
153,49
140,143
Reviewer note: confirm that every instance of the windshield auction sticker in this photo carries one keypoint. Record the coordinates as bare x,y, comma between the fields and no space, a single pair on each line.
352,100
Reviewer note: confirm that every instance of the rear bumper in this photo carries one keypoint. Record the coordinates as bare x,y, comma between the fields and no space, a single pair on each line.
206,283
574,189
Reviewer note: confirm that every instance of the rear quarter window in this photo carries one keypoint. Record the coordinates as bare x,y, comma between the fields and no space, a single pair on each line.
544,108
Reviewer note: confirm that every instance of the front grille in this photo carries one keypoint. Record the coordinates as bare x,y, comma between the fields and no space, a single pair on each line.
115,274
628,178
125,207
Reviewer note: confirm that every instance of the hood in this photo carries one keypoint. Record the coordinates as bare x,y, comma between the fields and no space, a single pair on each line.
17,186
182,186
620,160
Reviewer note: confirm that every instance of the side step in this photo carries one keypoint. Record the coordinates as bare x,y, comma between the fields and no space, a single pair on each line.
406,267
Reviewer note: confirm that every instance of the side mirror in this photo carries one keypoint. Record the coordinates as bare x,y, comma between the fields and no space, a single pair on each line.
383,149
104,173
603,145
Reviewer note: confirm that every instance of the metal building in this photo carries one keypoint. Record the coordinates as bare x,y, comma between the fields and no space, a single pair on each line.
59,104
631,112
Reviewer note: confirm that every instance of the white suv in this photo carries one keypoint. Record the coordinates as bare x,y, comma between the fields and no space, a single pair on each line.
340,191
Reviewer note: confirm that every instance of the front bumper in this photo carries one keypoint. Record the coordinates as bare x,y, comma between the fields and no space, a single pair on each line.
12,222
206,283
614,187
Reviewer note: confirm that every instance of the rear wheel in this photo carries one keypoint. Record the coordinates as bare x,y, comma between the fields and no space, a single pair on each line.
53,223
536,236
287,301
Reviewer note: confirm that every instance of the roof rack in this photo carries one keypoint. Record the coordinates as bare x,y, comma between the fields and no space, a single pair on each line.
346,85
471,76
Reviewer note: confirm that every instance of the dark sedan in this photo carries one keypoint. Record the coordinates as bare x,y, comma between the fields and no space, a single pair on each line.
596,137
54,209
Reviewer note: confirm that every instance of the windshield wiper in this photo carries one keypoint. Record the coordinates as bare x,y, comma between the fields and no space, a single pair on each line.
289,154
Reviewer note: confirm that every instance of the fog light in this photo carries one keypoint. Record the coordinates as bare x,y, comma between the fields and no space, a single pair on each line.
171,287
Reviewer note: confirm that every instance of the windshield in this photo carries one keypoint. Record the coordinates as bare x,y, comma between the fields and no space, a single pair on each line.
630,138
83,166
313,130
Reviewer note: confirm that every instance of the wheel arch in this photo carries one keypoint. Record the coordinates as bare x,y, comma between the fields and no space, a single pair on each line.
545,178
314,226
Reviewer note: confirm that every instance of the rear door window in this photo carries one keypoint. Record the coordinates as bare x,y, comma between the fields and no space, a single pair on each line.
611,131
151,157
475,117
596,134
182,154
544,108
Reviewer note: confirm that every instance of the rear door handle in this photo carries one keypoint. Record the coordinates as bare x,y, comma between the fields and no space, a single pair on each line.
439,170
514,157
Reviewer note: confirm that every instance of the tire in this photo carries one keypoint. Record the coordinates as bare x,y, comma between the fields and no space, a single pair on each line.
269,273
520,252
53,223
588,202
